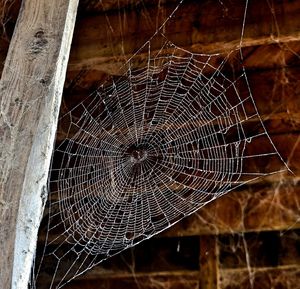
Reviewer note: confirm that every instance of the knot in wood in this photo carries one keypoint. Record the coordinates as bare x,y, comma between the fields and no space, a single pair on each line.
38,43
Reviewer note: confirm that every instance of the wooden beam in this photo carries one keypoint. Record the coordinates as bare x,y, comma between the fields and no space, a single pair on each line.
99,273
209,265
30,89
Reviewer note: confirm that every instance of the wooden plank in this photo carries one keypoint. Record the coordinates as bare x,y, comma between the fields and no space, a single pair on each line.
100,274
209,265
172,280
255,278
30,89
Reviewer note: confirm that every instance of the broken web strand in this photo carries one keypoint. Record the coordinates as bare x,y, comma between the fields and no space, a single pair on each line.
145,179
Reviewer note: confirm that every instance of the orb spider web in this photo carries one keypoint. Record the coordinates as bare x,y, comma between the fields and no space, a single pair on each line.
148,148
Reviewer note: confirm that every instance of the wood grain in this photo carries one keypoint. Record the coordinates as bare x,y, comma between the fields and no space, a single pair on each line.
30,89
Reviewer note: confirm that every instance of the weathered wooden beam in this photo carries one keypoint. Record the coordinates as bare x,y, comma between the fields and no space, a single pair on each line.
30,89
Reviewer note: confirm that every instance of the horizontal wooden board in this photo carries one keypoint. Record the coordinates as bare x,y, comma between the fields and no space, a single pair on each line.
184,280
281,277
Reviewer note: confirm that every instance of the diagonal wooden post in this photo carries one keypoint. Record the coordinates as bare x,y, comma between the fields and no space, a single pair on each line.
30,95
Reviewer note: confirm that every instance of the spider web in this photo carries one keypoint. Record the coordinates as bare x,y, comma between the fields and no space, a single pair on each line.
147,149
